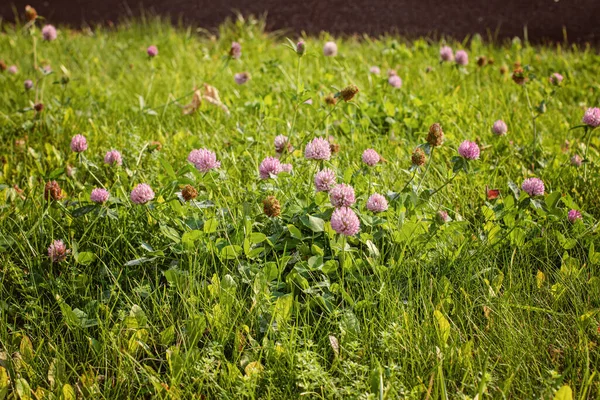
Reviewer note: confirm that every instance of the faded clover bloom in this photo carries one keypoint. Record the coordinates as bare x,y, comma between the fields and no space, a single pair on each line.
395,81
268,167
574,216
446,53
241,78
576,160
461,58
99,195
377,203
556,79
113,157
58,251
49,33
370,157
141,194
499,128
345,222
469,150
330,49
342,195
236,50
79,144
152,51
592,117
324,180
204,160
533,187
317,149
282,143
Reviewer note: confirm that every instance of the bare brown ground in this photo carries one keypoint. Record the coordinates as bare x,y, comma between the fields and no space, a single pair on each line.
546,20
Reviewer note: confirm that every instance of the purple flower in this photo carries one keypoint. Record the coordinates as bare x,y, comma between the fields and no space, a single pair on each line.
113,157
370,157
375,70
395,81
236,50
533,187
442,217
576,160
300,48
317,149
281,143
141,194
78,143
345,222
28,84
574,216
469,150
152,51
592,117
556,79
57,251
499,128
49,33
241,77
342,195
13,69
324,180
446,53
462,58
204,160
269,166
330,49
99,195
377,203
287,168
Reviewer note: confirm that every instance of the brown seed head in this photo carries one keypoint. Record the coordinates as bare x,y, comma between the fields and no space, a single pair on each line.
189,192
38,107
519,76
435,137
418,157
271,206
348,92
329,99
30,13
52,191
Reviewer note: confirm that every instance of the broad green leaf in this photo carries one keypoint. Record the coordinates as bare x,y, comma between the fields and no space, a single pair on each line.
231,252
85,258
211,225
23,389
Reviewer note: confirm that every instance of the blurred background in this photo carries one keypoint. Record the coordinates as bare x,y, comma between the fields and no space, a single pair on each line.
537,20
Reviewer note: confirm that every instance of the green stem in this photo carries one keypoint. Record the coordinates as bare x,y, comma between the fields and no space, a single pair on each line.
533,118
587,146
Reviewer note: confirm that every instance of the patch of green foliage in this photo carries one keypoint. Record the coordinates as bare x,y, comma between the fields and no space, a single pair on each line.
211,298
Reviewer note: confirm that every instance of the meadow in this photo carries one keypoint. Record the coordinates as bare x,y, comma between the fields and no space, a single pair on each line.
234,214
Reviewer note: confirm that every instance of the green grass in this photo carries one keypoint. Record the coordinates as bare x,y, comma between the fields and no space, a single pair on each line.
213,299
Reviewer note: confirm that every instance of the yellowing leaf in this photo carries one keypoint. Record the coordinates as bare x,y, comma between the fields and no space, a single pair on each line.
564,393
254,368
68,392
442,325
540,277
